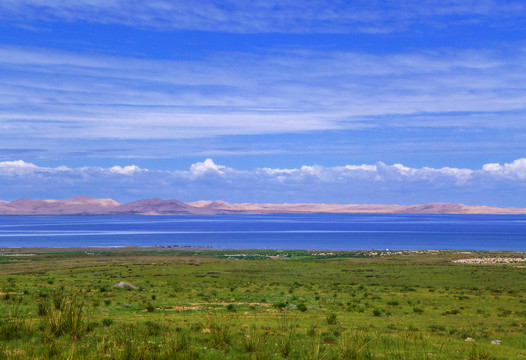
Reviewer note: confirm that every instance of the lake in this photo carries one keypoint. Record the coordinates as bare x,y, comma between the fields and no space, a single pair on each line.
276,231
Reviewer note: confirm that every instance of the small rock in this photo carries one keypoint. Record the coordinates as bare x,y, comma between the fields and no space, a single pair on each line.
124,285
469,339
495,342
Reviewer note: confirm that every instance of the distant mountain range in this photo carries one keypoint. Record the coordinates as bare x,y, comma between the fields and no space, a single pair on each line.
90,206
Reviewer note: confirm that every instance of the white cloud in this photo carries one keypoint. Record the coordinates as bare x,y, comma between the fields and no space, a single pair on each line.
126,170
22,168
15,168
513,170
207,167
17,164
364,167
493,167
379,183
379,172
271,172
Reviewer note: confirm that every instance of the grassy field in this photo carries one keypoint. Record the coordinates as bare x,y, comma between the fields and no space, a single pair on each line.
231,304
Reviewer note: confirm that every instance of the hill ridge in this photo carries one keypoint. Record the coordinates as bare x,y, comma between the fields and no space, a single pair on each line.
83,205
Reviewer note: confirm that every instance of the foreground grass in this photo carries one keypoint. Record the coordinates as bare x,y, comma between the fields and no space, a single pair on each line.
258,305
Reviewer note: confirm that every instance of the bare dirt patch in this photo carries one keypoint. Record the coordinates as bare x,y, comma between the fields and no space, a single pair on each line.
198,306
491,260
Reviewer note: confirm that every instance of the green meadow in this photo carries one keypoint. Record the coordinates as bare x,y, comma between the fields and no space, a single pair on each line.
252,304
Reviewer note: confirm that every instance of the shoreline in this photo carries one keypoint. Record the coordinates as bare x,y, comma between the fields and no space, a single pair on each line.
10,251
400,251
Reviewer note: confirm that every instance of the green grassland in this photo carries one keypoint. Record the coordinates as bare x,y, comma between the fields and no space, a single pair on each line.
241,304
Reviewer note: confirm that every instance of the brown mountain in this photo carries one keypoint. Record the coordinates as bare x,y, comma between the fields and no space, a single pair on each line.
90,206
75,206
154,207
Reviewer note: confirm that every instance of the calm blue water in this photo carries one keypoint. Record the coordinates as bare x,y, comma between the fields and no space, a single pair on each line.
290,231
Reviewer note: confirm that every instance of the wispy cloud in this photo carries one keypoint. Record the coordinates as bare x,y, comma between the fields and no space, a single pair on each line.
313,16
375,183
47,94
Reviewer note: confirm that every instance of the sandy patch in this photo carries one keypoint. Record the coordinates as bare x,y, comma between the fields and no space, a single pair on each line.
490,260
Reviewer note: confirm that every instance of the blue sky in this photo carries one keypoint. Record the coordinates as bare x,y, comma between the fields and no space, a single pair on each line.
312,101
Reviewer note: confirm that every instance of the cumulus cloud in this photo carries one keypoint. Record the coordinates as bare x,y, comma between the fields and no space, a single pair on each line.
366,183
18,164
207,167
22,168
127,170
513,170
